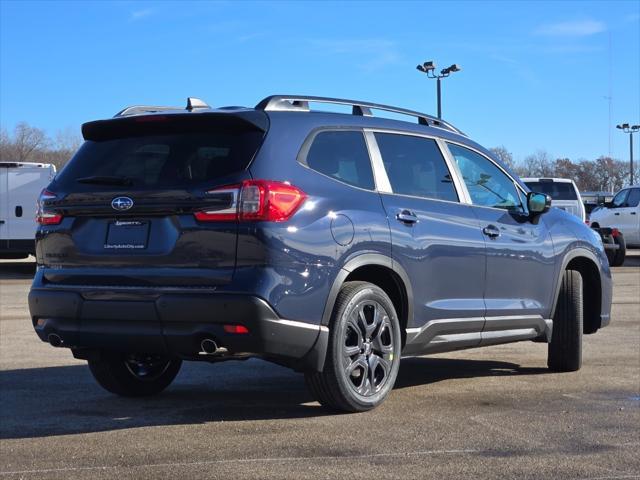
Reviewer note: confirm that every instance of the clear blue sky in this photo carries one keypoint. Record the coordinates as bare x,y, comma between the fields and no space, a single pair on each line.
535,75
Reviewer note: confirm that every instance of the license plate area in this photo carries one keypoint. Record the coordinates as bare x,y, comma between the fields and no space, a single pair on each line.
127,235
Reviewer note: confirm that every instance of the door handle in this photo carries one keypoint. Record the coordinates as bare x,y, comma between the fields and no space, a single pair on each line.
1,222
633,213
406,216
491,231
617,213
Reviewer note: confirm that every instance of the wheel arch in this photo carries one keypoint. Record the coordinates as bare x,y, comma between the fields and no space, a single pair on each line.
381,271
586,263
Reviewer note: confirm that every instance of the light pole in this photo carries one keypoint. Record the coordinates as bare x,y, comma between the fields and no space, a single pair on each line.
630,129
430,68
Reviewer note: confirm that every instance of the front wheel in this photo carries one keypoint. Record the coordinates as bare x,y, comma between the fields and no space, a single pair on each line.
134,375
565,349
363,355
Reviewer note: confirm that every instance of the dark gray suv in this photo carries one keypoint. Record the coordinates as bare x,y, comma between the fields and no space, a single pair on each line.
332,243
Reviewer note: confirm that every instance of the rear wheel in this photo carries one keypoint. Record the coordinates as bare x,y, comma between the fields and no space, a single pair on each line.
134,375
363,355
621,252
565,348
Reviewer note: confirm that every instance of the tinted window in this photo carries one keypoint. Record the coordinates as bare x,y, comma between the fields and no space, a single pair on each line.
415,166
556,190
487,184
168,160
620,199
634,197
342,155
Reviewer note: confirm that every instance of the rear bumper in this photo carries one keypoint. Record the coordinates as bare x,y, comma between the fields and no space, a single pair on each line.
175,324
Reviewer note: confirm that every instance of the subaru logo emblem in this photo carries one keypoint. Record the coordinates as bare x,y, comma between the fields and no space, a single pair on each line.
121,203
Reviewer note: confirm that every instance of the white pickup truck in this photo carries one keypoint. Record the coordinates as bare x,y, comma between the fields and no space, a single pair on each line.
563,192
565,195
20,187
623,213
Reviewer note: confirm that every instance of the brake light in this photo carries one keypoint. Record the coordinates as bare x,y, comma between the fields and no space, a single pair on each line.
615,232
256,200
44,217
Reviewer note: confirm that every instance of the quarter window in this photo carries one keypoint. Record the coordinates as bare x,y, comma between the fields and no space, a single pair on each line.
488,185
415,166
342,155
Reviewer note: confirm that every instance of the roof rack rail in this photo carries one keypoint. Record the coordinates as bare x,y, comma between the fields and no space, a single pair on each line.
192,104
300,103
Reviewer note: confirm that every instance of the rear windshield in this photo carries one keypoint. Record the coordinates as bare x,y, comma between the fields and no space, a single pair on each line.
172,160
556,190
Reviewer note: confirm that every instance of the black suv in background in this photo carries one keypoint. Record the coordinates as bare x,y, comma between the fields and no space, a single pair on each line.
332,243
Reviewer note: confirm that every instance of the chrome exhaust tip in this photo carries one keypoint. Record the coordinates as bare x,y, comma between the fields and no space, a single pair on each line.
208,347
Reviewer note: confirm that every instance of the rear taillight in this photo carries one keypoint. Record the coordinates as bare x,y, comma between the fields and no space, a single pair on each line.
44,217
256,200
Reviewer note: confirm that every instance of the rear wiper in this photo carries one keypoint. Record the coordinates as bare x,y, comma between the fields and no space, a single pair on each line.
106,180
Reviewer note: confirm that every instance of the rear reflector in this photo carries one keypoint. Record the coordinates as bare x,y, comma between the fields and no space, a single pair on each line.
240,329
255,200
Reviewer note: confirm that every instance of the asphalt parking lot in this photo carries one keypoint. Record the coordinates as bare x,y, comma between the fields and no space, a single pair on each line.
487,413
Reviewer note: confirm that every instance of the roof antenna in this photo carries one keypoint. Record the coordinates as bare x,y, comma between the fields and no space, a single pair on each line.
193,103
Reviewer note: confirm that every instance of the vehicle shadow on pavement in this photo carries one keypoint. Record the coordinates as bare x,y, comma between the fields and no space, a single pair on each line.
425,370
12,270
41,402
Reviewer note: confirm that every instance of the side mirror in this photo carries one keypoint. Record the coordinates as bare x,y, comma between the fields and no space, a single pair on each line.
538,203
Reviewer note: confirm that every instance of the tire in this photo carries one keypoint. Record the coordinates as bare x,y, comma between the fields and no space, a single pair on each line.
565,348
134,375
363,354
620,253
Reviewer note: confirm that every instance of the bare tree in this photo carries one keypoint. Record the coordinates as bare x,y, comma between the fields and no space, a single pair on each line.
539,165
26,140
503,155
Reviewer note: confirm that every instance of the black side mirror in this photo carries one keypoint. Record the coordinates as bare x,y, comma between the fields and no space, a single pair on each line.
538,203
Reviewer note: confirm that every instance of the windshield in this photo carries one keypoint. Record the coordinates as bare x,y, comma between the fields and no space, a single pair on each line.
556,190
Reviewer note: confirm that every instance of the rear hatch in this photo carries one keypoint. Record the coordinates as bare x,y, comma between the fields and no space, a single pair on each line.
127,201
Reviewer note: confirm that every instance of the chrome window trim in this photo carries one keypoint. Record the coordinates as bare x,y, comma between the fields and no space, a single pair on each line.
380,177
458,184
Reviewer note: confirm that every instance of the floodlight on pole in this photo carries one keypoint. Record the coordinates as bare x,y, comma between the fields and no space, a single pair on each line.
630,129
429,68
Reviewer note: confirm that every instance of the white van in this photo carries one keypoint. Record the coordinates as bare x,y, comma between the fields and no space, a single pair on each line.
20,187
563,192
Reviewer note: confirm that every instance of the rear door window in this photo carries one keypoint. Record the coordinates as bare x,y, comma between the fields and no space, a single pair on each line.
342,155
415,166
